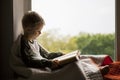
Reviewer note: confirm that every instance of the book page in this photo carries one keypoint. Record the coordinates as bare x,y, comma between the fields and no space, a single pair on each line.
66,59
68,56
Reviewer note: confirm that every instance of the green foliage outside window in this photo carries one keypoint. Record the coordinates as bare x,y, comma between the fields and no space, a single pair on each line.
85,42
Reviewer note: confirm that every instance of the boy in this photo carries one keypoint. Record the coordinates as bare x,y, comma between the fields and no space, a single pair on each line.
33,54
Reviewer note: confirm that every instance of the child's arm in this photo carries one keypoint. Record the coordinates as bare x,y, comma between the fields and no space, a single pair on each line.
53,55
49,55
32,61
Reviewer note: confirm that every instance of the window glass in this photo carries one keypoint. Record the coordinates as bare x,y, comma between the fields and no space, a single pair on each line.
87,25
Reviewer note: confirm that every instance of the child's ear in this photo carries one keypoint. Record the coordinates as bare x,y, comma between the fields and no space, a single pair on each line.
28,29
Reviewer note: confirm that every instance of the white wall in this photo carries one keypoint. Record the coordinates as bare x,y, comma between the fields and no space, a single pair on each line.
19,8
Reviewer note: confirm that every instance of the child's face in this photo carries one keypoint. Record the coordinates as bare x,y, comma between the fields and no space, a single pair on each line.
35,32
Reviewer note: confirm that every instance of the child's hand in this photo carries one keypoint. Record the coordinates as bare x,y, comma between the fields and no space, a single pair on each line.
55,64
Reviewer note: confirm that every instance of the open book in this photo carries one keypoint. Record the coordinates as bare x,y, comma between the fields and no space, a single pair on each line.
68,58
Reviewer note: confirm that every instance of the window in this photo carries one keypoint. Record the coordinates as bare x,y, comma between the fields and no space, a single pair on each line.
89,23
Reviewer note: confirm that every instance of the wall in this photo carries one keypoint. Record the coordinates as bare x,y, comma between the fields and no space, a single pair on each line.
6,37
19,8
11,13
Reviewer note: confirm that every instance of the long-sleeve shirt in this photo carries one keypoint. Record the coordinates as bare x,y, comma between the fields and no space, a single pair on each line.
34,55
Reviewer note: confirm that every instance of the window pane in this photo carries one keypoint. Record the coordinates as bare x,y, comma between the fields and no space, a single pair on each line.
88,25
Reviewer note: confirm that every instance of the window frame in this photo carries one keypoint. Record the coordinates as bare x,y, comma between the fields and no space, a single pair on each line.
117,29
